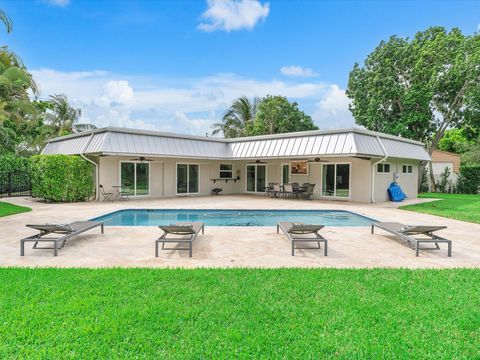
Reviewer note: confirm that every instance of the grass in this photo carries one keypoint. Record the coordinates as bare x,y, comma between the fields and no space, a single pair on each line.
239,313
455,206
7,209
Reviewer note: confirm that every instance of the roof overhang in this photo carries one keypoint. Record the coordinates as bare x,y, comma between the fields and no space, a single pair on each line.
309,144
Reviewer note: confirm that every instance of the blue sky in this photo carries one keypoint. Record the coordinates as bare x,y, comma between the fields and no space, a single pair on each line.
177,65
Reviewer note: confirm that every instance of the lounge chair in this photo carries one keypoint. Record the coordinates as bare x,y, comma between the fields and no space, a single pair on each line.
302,233
408,234
65,232
186,232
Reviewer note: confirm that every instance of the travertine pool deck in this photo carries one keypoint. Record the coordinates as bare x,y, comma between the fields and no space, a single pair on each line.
233,246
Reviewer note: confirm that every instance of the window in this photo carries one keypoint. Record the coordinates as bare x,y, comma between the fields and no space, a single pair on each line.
407,169
134,178
383,168
226,171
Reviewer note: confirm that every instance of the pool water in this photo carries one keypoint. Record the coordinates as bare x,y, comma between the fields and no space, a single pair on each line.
155,217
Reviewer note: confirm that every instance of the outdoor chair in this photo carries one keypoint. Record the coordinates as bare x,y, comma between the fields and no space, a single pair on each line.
64,232
180,233
276,190
302,233
106,196
268,189
288,190
295,189
409,233
307,194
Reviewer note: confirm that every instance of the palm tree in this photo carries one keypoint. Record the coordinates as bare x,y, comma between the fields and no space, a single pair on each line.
6,20
61,118
237,118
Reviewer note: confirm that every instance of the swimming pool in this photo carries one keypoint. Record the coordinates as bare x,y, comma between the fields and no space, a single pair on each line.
212,217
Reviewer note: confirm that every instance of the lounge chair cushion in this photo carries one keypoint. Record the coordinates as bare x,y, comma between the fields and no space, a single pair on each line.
304,229
178,229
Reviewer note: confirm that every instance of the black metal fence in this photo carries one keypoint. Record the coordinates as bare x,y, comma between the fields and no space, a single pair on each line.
15,183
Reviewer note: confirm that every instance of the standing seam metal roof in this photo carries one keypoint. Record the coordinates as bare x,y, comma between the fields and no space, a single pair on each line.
347,142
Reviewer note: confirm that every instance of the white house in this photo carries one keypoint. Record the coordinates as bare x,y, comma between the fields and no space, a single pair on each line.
347,164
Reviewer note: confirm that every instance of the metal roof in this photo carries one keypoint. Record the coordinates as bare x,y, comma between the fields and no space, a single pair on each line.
344,142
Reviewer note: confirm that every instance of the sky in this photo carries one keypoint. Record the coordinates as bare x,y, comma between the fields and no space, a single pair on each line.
177,65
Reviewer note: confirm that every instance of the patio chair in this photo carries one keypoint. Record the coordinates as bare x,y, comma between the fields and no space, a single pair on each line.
268,189
302,233
181,233
307,194
276,190
287,190
64,232
107,196
408,234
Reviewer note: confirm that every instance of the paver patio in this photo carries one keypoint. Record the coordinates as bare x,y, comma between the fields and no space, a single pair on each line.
233,246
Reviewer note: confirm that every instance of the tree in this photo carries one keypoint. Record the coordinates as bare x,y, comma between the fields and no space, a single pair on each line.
61,118
457,140
277,115
15,103
472,155
238,118
418,88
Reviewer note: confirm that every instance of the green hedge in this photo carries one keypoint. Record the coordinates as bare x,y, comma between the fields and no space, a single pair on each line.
10,162
469,180
65,178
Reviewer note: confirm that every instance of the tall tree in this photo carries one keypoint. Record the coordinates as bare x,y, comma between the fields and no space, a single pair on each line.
277,115
418,88
238,118
61,118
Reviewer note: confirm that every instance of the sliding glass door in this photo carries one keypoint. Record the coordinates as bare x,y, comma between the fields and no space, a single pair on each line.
134,178
336,180
256,178
188,178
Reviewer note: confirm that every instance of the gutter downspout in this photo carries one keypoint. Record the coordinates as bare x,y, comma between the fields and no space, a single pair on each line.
82,154
385,153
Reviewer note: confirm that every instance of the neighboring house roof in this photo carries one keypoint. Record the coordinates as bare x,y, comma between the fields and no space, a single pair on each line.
447,157
345,142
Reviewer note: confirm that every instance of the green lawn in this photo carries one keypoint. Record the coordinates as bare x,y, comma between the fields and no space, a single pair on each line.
239,313
11,209
456,206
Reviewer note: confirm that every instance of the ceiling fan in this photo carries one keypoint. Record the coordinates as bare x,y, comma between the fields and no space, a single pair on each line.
260,162
141,158
317,160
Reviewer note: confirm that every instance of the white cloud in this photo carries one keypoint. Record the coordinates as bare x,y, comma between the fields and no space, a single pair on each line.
294,70
332,110
190,105
60,3
231,15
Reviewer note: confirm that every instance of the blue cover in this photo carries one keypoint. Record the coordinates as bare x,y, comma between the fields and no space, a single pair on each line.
395,192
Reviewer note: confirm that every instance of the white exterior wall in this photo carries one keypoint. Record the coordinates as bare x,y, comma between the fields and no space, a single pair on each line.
163,176
408,182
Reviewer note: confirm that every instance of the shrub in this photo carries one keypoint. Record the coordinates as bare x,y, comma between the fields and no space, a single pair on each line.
12,163
66,178
469,180
443,183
